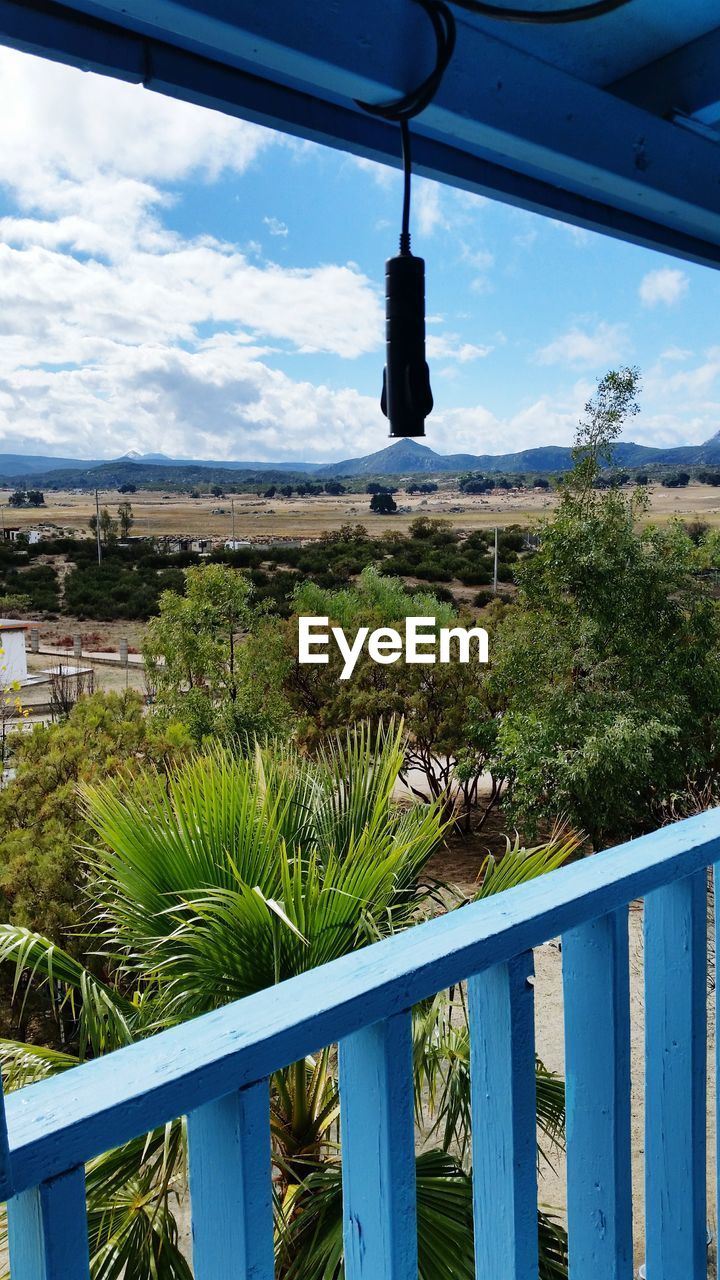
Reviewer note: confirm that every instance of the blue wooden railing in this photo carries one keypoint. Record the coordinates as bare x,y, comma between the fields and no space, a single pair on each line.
215,1070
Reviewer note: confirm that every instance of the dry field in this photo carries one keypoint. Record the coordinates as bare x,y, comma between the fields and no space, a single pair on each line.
258,518
261,519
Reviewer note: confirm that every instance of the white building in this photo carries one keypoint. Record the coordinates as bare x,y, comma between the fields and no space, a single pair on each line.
13,661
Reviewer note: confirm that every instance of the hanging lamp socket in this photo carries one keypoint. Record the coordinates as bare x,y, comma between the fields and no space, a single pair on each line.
406,397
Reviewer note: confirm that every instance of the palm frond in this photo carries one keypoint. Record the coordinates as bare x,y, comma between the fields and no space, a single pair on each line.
518,865
24,1064
104,1017
310,1244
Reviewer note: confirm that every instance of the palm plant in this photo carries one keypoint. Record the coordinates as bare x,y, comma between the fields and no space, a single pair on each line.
230,875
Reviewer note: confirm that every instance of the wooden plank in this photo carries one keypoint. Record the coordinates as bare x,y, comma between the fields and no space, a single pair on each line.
181,73
502,1067
231,1186
716,976
6,1188
378,1151
675,1071
66,1120
645,179
597,1098
47,1230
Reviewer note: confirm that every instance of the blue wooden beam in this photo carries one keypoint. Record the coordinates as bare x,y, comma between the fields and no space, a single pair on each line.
5,1172
675,1080
231,1186
504,122
504,1120
377,1140
687,81
596,988
47,1230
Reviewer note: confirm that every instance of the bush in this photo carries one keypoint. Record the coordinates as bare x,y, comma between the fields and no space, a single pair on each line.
111,590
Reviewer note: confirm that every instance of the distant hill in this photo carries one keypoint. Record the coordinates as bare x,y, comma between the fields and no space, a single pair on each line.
22,466
407,457
401,458
162,458
31,464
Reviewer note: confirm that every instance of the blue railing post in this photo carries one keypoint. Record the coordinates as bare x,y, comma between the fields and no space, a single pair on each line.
231,1186
596,988
47,1230
675,1079
378,1151
716,975
5,1175
504,1126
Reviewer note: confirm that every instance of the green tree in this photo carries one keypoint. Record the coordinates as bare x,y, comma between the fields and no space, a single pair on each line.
606,412
383,504
42,822
220,881
609,664
126,519
108,527
450,718
197,659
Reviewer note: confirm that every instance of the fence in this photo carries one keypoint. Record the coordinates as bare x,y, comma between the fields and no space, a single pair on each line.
216,1071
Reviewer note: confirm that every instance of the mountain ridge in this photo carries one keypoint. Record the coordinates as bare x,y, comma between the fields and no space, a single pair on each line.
400,458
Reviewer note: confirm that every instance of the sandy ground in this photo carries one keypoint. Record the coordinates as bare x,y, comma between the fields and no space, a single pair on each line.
260,519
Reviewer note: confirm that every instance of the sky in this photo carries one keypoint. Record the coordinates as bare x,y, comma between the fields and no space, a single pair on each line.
173,280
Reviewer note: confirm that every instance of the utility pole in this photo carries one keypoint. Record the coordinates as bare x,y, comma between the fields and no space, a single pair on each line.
495,562
97,526
232,508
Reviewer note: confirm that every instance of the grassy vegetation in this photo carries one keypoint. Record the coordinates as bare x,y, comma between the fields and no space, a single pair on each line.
130,580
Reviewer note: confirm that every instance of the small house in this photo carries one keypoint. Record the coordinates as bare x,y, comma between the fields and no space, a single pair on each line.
13,661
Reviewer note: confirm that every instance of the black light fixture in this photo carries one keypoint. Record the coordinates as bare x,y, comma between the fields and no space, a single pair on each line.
407,397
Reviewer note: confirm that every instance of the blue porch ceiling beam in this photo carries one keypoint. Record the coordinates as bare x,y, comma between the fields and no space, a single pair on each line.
687,81
504,124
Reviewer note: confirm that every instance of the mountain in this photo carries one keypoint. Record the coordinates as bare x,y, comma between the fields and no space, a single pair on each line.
134,456
407,457
402,458
30,464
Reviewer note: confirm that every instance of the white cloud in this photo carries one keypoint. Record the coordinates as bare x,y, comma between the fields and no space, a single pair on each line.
91,127
580,236
676,353
219,401
276,227
545,420
166,297
666,285
118,332
450,346
428,212
580,346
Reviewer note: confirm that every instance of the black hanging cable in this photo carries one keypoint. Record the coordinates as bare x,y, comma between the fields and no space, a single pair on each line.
542,17
407,181
404,108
